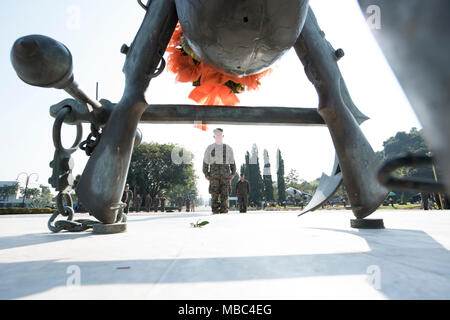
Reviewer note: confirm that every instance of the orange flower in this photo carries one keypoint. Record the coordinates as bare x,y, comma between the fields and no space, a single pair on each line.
214,95
211,89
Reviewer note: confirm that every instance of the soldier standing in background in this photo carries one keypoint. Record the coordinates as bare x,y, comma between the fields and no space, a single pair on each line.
219,168
155,203
126,198
179,202
424,197
188,204
163,202
242,191
138,203
148,202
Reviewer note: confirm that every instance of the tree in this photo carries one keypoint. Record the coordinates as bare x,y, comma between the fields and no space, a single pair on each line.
267,177
8,190
401,144
292,179
308,187
280,178
44,199
245,167
156,167
233,184
255,179
185,190
32,193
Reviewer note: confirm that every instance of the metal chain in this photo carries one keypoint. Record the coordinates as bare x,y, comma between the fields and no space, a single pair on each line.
62,179
91,141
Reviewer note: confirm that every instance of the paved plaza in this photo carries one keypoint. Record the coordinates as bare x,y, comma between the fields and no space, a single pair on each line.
258,255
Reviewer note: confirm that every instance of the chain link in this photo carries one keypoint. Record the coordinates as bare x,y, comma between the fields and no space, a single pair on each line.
91,141
62,179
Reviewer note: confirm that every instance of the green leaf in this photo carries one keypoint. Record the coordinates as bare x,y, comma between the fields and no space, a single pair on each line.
203,223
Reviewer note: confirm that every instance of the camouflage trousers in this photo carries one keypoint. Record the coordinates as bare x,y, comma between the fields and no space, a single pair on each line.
127,207
219,188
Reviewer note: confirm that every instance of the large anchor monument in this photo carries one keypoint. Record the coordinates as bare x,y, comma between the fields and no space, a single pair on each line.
256,35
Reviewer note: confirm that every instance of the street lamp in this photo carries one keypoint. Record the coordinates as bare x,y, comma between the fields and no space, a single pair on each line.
26,184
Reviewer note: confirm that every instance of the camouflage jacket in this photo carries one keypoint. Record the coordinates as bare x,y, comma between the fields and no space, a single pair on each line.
219,161
127,196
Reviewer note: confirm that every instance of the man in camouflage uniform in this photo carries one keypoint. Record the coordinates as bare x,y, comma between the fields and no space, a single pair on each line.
219,168
188,204
148,202
155,202
179,202
126,198
163,202
242,192
138,203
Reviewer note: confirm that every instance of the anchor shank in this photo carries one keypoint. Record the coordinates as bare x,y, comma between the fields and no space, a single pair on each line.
357,159
102,182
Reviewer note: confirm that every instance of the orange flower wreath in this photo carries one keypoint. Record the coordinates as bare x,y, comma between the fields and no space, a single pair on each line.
211,86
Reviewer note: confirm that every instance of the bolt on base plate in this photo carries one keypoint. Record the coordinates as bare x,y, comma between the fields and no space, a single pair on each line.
101,228
367,223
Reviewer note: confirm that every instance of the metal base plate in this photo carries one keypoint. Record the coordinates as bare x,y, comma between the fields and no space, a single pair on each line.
367,223
101,228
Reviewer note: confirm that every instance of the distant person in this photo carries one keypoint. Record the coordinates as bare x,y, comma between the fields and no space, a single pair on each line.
179,202
148,202
242,188
424,200
188,204
192,205
126,198
162,200
155,203
138,203
391,202
446,201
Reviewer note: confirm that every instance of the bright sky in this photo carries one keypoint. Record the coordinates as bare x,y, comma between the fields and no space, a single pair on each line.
94,32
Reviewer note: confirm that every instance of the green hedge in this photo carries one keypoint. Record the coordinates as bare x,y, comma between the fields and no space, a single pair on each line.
25,210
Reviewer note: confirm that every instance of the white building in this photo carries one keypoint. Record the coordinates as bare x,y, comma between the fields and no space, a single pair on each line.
10,198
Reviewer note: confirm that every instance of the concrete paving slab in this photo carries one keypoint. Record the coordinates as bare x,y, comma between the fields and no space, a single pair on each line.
258,255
